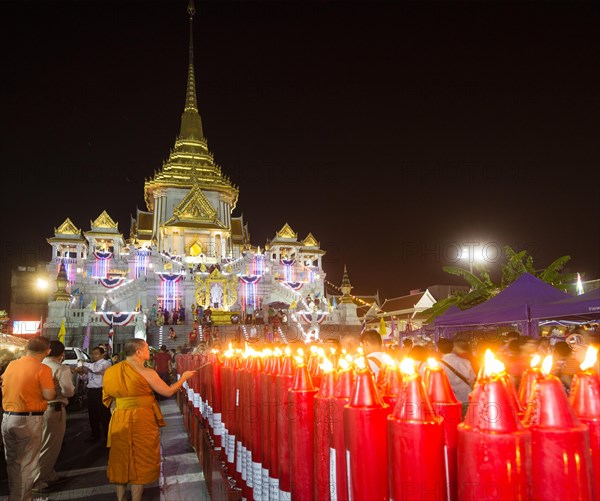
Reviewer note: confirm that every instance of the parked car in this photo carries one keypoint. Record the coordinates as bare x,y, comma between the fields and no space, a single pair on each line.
72,355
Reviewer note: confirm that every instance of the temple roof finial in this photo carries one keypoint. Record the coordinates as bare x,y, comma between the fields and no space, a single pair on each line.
191,124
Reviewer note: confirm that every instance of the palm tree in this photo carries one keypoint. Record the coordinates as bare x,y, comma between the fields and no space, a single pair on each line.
483,288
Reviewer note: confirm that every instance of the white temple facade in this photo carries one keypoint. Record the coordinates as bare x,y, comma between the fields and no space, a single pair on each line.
186,249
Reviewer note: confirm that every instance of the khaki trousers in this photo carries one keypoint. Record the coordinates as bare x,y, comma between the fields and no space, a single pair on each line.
22,437
55,424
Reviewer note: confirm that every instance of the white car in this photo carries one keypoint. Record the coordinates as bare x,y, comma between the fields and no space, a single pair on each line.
72,354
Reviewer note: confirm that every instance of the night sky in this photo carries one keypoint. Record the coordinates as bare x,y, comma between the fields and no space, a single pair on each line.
394,132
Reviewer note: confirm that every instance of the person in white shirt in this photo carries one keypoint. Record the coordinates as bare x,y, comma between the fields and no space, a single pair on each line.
55,418
99,415
372,346
460,372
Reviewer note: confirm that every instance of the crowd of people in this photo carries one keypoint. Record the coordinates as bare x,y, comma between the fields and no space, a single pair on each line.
122,393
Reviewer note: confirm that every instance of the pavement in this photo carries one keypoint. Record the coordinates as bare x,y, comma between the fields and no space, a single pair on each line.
84,465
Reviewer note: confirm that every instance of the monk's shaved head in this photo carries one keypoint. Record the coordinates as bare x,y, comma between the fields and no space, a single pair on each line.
133,345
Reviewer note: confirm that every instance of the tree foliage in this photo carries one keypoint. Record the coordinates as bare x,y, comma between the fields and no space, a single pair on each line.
483,288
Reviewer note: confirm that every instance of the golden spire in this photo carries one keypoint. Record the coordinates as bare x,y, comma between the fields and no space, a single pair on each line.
191,123
62,281
346,287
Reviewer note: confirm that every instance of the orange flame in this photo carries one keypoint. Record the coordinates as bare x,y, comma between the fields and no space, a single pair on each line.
332,351
326,366
492,365
407,366
313,349
591,357
344,364
288,351
299,359
535,361
547,365
432,363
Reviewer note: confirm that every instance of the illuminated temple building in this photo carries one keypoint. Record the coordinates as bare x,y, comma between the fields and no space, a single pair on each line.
186,248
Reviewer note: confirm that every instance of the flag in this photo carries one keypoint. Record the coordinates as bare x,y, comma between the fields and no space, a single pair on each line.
93,305
138,305
382,327
111,334
86,338
62,331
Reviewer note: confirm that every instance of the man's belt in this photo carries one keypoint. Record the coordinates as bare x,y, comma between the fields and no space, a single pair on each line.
11,413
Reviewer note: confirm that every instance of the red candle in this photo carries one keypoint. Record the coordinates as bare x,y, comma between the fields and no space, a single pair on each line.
265,435
494,448
561,466
416,442
229,390
445,405
301,422
365,419
323,410
284,383
254,429
216,408
529,377
337,441
273,450
585,401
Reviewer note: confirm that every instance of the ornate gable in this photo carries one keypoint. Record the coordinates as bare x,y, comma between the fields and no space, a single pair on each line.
104,221
287,232
195,206
310,241
67,228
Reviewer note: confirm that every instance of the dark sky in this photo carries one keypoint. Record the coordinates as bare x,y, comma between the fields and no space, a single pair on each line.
392,131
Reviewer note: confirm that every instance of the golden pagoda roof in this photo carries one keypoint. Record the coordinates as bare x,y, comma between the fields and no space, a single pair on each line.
195,211
104,221
287,232
310,241
67,228
190,162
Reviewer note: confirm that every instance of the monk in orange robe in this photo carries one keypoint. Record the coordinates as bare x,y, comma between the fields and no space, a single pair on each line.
133,435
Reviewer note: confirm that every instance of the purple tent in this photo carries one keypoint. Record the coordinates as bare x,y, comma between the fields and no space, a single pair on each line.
585,306
510,306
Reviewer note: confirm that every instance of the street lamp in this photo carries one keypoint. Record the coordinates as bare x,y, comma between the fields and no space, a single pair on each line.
469,254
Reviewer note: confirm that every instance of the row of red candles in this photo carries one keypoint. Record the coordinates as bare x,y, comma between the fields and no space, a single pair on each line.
289,430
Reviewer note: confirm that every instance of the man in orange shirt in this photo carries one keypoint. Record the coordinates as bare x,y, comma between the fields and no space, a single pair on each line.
27,385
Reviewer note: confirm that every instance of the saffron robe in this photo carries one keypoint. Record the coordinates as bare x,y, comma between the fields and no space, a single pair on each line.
133,435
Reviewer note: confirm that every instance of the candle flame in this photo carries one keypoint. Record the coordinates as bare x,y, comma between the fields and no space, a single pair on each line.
332,351
314,349
547,365
407,366
344,351
326,366
349,358
288,351
229,353
277,352
344,364
492,365
299,359
432,363
267,352
360,351
360,363
321,352
300,352
231,346
591,357
535,361
387,360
